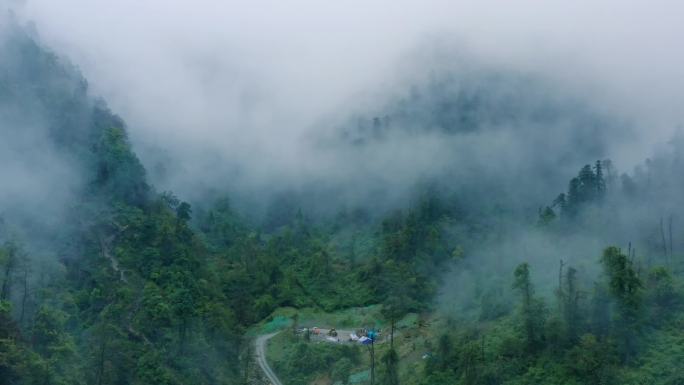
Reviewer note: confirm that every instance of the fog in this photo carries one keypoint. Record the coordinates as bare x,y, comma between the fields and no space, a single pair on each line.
334,156
364,105
39,180
227,94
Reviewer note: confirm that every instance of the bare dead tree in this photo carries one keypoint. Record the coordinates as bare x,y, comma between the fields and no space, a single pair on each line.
10,265
560,285
669,226
371,350
662,235
25,294
483,348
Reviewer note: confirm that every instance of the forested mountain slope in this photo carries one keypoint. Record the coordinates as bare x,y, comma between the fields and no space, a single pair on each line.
107,281
103,280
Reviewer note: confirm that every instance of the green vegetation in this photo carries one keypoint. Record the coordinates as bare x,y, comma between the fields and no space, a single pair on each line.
300,362
572,343
134,286
565,341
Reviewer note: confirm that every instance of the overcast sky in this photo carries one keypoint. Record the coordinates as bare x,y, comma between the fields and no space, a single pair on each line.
250,78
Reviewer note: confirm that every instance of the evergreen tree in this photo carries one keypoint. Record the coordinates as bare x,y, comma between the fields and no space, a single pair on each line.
546,216
587,184
570,307
531,310
600,179
574,197
625,288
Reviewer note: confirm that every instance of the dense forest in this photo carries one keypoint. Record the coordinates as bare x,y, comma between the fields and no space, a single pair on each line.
106,280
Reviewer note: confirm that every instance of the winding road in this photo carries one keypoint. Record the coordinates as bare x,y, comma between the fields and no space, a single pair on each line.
260,351
261,358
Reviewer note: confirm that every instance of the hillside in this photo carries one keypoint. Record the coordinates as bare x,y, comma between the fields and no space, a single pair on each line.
488,275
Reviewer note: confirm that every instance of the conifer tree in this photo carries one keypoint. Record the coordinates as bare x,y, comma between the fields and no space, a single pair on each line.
624,287
531,310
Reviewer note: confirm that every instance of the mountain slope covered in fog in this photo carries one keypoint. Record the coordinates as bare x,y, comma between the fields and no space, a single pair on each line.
444,207
73,298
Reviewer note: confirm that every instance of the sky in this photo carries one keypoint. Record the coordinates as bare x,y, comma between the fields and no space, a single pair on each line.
212,83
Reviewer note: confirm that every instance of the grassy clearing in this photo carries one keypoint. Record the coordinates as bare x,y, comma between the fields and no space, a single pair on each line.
298,362
352,318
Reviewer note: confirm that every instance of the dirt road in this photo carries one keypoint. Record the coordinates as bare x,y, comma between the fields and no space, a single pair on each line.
261,342
261,358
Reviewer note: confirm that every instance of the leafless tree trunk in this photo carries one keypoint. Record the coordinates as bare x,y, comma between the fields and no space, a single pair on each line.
371,349
26,293
662,235
392,326
9,269
669,225
100,366
483,348
560,285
